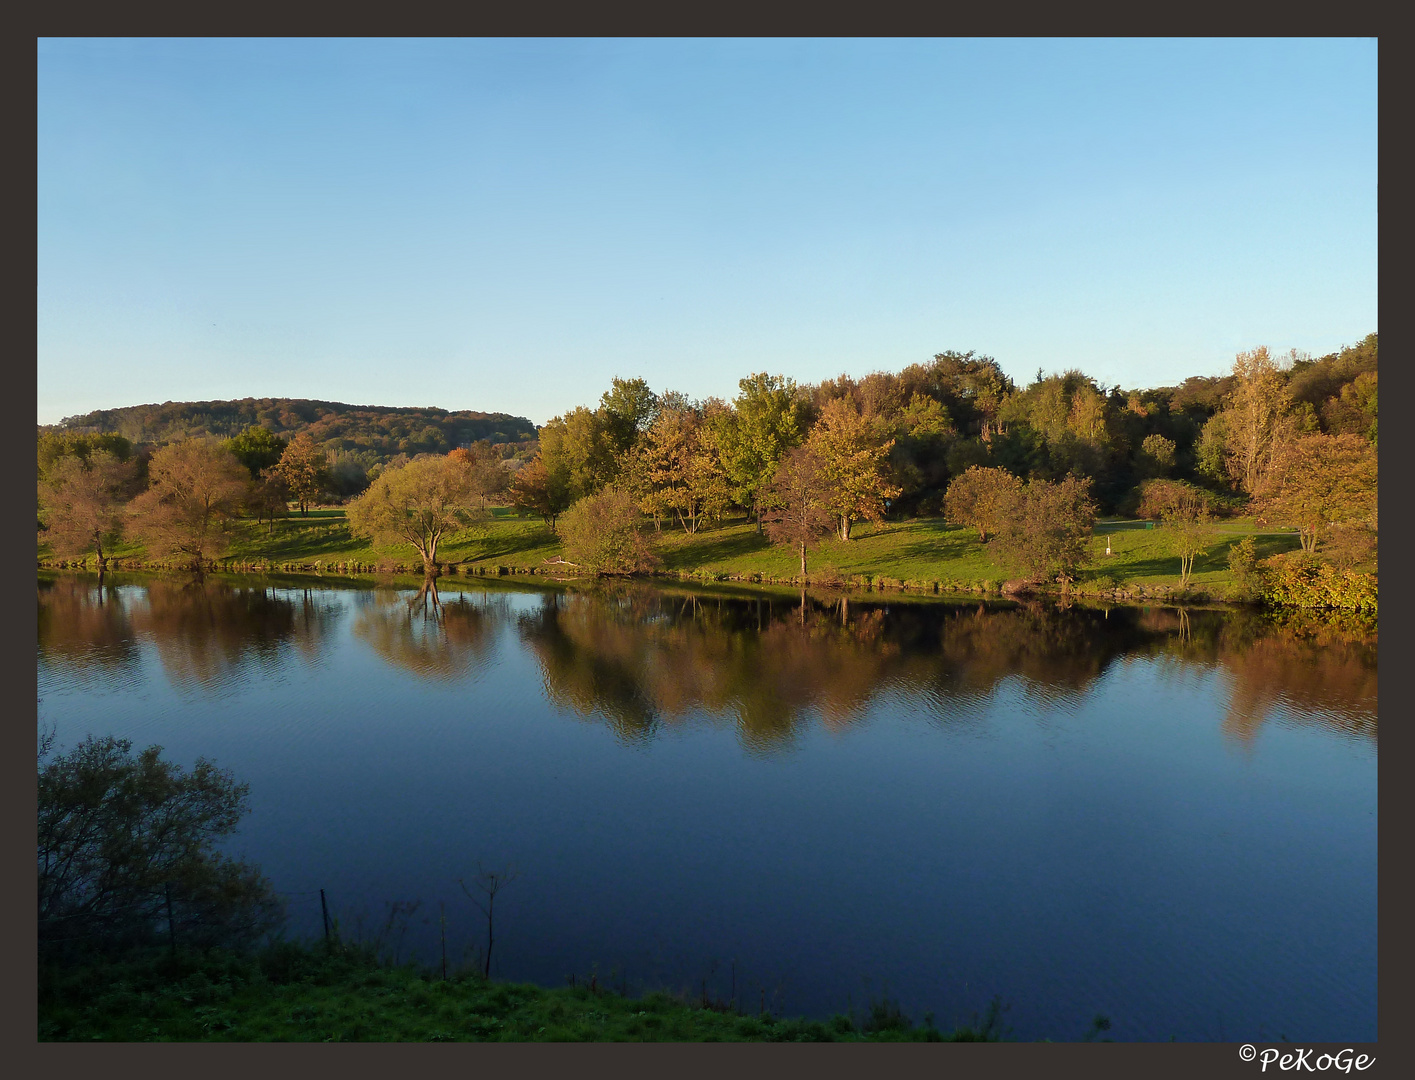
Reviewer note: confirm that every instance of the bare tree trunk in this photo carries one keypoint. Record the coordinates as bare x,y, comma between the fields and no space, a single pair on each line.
803,558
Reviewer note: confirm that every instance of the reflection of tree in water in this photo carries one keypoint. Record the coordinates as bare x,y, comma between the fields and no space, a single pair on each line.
204,630
428,634
1322,670
640,657
1058,652
1316,668
84,624
207,631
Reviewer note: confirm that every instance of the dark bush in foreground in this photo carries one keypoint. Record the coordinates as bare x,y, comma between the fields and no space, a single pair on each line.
126,853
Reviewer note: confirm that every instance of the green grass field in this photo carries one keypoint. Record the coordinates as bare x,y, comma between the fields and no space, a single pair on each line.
293,993
919,551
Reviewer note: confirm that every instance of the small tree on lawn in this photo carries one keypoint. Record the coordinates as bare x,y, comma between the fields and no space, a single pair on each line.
981,498
853,451
1044,530
489,477
1188,522
305,469
799,506
541,490
419,503
269,498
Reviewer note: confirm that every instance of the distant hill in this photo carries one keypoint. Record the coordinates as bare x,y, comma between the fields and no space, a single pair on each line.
369,432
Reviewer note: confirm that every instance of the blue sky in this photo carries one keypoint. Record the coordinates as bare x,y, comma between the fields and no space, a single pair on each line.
505,225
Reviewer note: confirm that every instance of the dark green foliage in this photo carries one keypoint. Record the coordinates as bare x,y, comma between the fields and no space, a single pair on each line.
126,853
57,444
628,408
257,449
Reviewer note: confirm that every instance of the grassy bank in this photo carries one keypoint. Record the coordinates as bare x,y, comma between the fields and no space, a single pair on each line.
923,553
293,993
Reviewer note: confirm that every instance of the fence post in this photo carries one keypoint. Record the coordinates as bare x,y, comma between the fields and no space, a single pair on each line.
171,925
324,907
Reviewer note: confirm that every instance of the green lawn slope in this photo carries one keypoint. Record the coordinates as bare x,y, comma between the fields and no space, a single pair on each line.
924,553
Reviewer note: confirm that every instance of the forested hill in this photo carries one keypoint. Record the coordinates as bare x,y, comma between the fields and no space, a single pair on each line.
377,431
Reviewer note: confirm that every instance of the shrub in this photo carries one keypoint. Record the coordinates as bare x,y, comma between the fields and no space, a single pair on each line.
1243,565
604,534
1307,583
1161,497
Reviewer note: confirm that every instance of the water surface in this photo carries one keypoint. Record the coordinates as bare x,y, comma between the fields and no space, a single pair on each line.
1165,817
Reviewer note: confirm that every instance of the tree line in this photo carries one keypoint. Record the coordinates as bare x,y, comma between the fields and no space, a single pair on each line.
1290,439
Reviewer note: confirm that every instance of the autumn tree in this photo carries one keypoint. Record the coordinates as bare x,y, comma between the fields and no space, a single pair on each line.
766,420
853,453
257,448
419,503
305,469
678,469
1043,533
1321,481
798,503
538,490
982,498
603,533
489,476
268,498
195,488
1254,420
85,503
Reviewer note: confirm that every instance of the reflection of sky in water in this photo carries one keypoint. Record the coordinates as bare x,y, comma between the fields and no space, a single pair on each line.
1181,838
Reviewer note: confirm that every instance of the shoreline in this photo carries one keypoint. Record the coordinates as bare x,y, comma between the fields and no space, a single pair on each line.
920,557
866,584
